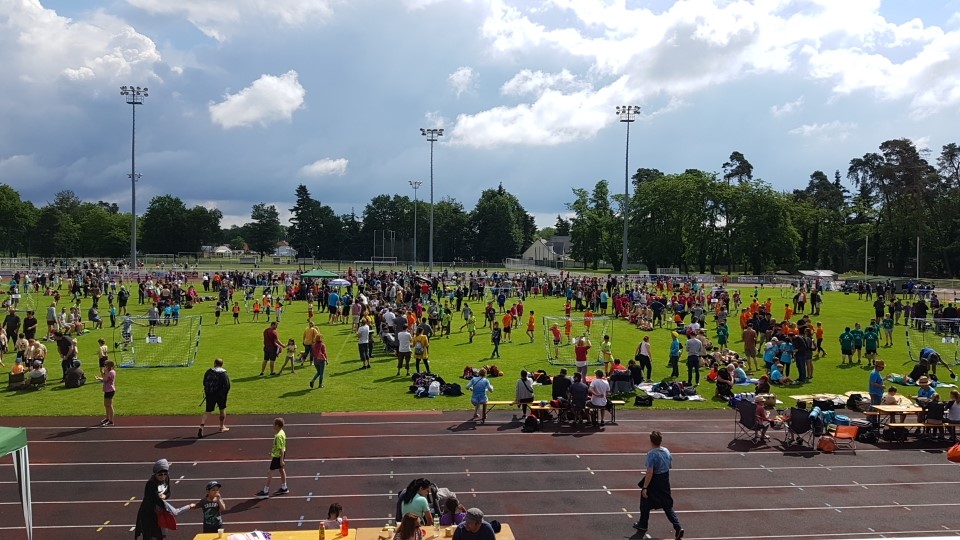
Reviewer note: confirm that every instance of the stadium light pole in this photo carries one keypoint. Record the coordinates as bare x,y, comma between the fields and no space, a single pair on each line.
627,115
431,134
134,96
415,184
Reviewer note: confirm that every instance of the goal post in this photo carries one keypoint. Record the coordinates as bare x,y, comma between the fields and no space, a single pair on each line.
137,344
572,328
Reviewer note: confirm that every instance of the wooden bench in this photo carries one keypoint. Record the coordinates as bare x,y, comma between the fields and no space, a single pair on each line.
537,407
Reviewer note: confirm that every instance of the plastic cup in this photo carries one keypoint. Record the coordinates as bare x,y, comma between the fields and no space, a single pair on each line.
219,533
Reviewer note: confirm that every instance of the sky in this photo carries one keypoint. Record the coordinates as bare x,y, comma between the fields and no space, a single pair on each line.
250,98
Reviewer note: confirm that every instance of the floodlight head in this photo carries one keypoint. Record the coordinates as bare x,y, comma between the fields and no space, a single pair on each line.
440,132
423,131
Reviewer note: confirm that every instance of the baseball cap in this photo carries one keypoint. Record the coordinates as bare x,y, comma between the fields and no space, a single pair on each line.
161,465
475,515
212,484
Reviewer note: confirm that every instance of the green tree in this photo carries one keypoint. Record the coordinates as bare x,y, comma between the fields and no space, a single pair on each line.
562,226
737,168
500,226
594,230
265,230
57,234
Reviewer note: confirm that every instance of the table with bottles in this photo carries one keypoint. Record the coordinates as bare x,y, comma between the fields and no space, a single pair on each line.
362,533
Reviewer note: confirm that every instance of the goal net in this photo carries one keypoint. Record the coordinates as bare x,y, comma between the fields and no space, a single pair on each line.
572,328
940,334
168,344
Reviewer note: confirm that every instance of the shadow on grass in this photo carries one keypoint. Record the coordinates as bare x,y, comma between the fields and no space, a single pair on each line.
296,393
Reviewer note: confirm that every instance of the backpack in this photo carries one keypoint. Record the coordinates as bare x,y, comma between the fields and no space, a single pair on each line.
531,424
468,373
854,402
494,371
452,389
826,445
215,382
643,401
418,349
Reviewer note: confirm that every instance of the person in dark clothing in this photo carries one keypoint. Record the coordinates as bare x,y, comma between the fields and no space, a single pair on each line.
655,487
636,372
561,385
75,377
155,492
578,396
30,326
11,323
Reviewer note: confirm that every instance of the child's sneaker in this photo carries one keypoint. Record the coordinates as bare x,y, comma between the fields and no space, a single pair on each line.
262,495
282,491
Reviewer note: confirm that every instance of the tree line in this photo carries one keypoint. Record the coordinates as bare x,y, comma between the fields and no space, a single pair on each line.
709,222
695,220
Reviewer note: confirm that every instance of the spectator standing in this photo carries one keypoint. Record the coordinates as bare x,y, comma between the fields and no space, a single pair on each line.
30,324
599,394
655,487
481,386
216,386
319,355
363,342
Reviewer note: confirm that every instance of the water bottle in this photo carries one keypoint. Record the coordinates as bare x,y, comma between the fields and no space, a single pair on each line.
322,532
344,526
436,525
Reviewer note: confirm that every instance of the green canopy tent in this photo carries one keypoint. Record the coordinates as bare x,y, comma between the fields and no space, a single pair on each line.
14,441
319,273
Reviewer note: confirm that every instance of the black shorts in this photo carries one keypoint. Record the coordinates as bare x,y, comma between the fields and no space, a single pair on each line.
275,464
103,362
109,395
153,323
332,309
506,329
269,354
219,402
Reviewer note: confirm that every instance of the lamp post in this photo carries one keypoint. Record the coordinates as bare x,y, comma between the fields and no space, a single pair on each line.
431,134
415,184
626,114
134,95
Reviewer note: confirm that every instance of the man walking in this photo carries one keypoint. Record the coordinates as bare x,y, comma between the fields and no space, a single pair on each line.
655,487
216,386
271,348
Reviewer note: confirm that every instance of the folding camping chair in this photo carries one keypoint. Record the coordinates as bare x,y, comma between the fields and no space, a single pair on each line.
621,383
845,437
746,423
799,428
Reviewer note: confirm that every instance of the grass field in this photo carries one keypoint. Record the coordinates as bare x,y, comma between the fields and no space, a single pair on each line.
179,390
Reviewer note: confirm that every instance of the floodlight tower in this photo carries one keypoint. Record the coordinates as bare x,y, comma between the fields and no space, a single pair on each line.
431,134
627,115
134,95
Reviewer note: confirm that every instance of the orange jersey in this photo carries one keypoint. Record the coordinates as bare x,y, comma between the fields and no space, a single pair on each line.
531,323
819,332
507,320
568,327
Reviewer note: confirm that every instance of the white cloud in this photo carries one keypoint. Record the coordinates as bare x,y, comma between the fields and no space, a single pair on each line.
462,79
325,167
787,108
695,45
536,82
39,46
554,118
922,143
830,131
268,99
434,119
221,18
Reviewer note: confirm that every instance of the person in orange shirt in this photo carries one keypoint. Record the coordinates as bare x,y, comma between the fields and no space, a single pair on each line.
787,312
768,305
256,310
568,330
531,326
588,320
236,313
411,320
744,318
754,306
507,325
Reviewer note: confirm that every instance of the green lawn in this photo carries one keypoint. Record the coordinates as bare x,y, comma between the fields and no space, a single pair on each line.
179,390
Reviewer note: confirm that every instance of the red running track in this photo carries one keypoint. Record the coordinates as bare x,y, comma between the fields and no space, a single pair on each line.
562,484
